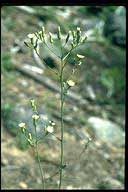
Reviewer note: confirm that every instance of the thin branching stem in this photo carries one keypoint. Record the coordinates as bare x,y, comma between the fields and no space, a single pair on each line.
62,125
63,91
38,158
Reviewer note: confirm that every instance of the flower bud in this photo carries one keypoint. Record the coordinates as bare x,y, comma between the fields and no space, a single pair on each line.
79,63
83,39
73,34
30,141
35,44
59,33
74,37
51,38
43,33
73,45
78,35
33,105
67,38
37,35
40,35
32,102
30,136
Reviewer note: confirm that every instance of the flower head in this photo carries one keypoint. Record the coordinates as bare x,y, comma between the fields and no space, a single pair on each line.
78,28
49,129
80,56
52,123
35,117
70,83
31,35
22,125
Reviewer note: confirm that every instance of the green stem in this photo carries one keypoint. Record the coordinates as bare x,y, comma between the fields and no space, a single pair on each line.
38,158
62,126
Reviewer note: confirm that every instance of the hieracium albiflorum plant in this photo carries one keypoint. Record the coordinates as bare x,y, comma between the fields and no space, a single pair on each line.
73,39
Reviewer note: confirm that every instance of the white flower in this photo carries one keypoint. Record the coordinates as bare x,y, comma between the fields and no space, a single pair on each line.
80,56
31,35
49,129
70,83
35,117
22,125
78,28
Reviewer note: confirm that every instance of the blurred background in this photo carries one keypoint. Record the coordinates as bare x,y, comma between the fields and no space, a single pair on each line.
95,107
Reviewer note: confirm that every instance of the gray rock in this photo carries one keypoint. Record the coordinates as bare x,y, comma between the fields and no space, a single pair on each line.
107,131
